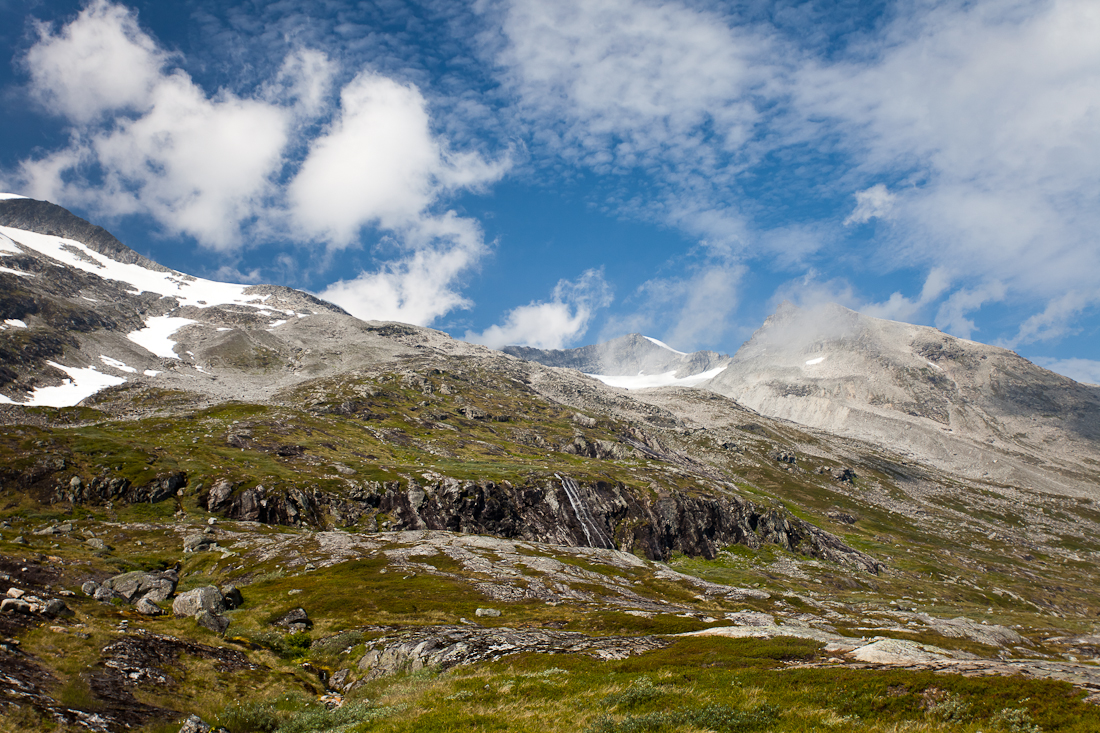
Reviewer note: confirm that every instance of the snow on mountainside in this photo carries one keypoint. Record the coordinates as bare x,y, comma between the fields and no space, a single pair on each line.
81,312
631,362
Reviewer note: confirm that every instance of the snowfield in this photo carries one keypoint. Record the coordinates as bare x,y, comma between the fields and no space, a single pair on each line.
668,379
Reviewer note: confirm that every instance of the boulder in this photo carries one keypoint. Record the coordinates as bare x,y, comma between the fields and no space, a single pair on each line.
198,543
15,605
213,621
56,608
295,619
157,587
105,595
219,495
96,544
146,607
487,612
233,597
194,724
89,587
207,598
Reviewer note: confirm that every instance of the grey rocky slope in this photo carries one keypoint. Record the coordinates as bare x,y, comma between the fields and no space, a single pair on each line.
976,410
628,355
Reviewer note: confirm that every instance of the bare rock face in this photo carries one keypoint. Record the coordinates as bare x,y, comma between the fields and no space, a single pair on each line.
444,647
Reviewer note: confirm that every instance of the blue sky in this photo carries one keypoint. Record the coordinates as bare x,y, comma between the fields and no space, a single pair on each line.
517,171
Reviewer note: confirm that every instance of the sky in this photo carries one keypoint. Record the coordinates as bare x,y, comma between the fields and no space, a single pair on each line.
557,174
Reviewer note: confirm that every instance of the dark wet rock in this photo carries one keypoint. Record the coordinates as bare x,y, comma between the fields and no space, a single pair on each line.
212,621
232,596
296,619
207,598
444,647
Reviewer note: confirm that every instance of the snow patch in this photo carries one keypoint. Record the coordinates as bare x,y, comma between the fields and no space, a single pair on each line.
81,384
188,290
935,366
16,272
116,364
7,247
16,323
150,372
276,324
663,345
818,360
225,328
6,196
668,379
154,338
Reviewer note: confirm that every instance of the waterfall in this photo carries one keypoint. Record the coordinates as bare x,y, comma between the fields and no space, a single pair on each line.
588,524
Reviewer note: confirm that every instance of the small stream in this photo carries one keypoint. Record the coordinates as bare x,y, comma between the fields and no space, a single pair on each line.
595,536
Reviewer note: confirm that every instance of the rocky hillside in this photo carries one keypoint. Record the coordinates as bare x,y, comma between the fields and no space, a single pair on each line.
240,506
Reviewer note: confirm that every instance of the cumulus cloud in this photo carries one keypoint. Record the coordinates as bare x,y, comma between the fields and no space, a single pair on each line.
100,63
422,284
551,324
898,307
378,163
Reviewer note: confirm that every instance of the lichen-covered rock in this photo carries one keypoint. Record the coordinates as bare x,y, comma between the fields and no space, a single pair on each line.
443,647
194,724
157,587
146,607
198,543
207,598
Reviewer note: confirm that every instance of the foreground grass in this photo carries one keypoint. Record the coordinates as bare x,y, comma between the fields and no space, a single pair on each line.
725,685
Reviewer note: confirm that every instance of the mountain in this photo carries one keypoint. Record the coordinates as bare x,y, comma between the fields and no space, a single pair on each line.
973,409
242,504
631,361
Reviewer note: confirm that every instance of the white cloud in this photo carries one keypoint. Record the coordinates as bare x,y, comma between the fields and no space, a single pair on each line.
422,284
872,203
553,324
1085,371
100,63
378,163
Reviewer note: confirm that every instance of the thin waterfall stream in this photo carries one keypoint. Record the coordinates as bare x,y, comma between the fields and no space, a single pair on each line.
588,524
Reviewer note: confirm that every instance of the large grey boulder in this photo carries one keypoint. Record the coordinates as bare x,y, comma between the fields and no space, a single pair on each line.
207,598
147,608
157,587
